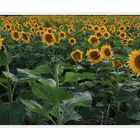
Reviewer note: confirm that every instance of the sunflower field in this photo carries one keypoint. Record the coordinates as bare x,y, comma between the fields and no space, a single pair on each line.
69,70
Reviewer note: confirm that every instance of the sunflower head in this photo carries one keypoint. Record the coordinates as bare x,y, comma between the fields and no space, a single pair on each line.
48,39
134,62
71,30
106,35
62,35
93,40
94,55
98,34
72,41
96,28
25,37
107,52
77,55
130,41
122,34
15,35
116,64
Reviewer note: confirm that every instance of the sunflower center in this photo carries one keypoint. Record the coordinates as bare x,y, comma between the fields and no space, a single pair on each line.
137,61
49,30
99,34
93,39
49,38
72,40
106,34
122,34
62,34
16,35
107,52
96,28
24,36
76,55
94,55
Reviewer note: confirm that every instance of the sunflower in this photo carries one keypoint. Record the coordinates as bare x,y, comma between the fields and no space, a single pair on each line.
130,41
122,34
72,41
71,31
77,55
106,35
124,42
98,34
4,28
134,62
48,39
116,64
94,55
25,37
106,51
93,40
15,35
62,35
1,41
103,28
96,28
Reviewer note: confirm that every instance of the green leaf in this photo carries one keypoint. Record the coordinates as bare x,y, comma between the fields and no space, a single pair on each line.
49,91
42,69
27,72
37,89
73,77
69,114
11,76
30,104
80,99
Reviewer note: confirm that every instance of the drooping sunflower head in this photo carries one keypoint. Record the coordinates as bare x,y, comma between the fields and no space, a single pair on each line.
93,40
134,62
25,37
107,52
1,42
72,41
48,39
77,55
15,35
94,55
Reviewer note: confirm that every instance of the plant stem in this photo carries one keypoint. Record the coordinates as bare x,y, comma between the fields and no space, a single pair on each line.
10,96
57,85
107,113
57,75
76,70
